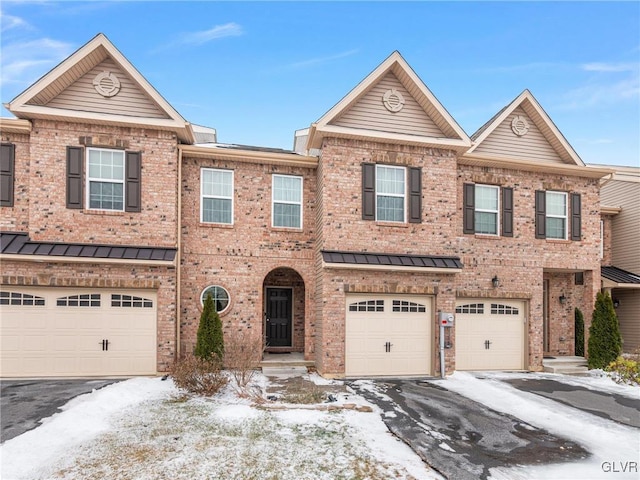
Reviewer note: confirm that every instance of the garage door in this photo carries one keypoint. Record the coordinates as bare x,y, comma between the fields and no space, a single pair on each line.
388,335
77,332
489,335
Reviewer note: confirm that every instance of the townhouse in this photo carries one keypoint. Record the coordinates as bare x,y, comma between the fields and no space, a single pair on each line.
118,216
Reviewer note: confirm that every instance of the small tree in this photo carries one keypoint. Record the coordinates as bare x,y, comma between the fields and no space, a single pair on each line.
605,341
579,330
210,343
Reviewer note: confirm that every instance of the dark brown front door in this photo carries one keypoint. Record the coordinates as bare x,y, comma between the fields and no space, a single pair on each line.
279,317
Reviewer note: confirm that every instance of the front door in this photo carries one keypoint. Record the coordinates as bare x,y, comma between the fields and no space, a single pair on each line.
279,317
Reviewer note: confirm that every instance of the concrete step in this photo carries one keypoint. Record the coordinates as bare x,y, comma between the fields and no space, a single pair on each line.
284,371
567,365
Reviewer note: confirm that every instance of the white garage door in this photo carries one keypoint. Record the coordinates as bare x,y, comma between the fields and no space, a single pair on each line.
59,332
388,335
490,334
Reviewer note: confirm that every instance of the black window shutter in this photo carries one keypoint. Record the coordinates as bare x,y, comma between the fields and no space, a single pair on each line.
133,167
507,212
469,207
541,214
415,195
75,156
7,174
368,191
576,217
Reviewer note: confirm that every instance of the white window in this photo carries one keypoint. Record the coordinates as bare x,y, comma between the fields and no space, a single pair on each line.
219,295
105,179
390,193
216,190
486,209
556,215
286,201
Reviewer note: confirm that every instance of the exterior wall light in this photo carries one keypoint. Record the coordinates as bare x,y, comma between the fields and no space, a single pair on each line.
562,299
616,303
495,281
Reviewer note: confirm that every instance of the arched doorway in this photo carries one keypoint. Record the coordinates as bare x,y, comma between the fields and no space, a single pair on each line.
284,311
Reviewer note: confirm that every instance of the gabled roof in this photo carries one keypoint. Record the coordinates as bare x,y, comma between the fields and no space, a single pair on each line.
452,135
35,101
542,122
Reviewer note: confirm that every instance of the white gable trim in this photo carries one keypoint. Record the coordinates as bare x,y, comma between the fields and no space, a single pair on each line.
397,64
19,105
536,113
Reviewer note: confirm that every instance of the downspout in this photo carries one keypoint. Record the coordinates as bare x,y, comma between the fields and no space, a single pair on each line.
179,255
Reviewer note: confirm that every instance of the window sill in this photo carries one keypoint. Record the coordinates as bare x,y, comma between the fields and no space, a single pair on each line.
287,229
487,236
559,240
392,224
216,225
105,213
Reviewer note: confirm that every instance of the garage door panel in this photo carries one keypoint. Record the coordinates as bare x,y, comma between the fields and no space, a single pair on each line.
59,337
403,321
498,322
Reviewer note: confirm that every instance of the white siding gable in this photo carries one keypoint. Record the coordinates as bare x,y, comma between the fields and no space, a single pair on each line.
369,112
130,100
503,142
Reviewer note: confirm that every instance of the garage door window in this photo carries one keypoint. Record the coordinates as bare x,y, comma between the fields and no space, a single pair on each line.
84,300
409,307
499,309
16,298
477,308
130,301
367,306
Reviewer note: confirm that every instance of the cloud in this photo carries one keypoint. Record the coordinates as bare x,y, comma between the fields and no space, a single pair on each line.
24,62
321,60
521,68
596,94
610,67
219,31
9,22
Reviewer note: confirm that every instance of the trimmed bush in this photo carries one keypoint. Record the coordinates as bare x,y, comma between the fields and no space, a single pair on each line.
579,330
199,376
605,341
242,358
210,343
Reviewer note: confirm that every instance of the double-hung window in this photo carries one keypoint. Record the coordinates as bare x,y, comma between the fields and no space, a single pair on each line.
390,193
105,179
556,215
286,201
487,201
216,202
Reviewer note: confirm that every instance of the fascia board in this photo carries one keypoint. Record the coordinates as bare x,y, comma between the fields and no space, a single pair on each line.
93,260
512,164
37,111
389,268
349,132
249,156
15,125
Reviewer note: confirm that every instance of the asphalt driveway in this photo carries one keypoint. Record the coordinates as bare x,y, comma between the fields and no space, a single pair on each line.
24,403
458,437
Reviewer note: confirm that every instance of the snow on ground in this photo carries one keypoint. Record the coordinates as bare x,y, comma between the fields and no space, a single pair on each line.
614,447
144,428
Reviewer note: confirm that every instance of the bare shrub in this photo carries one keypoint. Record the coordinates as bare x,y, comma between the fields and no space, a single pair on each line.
242,358
199,376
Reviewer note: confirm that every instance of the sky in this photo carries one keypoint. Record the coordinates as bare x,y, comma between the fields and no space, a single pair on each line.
258,71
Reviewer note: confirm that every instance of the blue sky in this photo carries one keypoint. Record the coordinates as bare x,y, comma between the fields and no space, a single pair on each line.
258,71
